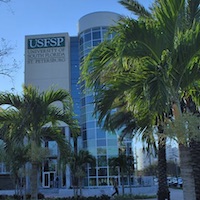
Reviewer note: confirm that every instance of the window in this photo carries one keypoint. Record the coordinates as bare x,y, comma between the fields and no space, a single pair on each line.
96,43
101,143
102,172
53,148
89,99
91,134
113,172
96,35
92,172
87,37
102,161
90,124
92,182
3,169
101,151
112,142
101,134
102,181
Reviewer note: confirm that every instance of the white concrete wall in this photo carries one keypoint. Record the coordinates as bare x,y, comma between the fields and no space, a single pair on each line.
97,19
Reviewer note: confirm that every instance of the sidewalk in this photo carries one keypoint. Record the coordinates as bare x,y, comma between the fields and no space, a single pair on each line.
175,194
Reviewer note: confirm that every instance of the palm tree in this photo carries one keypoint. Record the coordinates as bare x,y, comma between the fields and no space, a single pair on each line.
35,116
78,164
15,156
150,62
188,126
122,162
117,85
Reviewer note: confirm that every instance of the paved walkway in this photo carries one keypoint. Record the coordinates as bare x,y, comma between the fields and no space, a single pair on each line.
175,194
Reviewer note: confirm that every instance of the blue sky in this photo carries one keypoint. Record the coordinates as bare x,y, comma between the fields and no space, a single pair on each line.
28,17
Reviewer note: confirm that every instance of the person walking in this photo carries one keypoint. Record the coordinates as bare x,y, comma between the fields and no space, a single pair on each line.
115,186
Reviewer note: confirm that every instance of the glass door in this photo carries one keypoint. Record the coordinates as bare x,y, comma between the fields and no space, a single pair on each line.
46,180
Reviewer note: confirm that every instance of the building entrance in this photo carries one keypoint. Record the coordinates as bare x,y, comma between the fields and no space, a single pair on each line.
49,180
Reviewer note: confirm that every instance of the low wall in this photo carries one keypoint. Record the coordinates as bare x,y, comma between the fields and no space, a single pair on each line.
151,190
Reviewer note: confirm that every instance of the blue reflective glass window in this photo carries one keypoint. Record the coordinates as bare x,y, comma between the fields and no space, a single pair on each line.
81,48
101,133
96,35
83,101
90,108
112,142
90,124
97,42
87,45
87,37
84,135
101,150
89,116
85,144
102,160
91,143
81,41
89,99
91,134
101,143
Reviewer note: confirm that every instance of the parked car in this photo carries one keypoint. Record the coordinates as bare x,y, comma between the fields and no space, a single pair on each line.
174,181
169,181
180,182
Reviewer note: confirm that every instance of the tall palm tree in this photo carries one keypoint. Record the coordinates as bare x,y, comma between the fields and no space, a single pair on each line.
14,156
78,164
187,125
35,116
150,61
122,162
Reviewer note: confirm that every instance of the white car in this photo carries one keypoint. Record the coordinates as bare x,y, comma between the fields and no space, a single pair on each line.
180,181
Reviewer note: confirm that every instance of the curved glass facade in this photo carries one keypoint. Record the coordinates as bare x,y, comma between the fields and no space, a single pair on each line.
98,142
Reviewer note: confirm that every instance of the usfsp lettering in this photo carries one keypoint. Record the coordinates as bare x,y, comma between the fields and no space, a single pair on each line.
46,42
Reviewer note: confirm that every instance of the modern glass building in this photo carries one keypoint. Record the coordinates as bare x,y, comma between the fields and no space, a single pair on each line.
92,31
54,59
74,75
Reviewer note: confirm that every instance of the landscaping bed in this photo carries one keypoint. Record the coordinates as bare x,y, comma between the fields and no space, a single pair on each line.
103,197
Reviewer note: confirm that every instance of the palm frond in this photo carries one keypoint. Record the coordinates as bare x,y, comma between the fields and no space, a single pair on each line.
136,8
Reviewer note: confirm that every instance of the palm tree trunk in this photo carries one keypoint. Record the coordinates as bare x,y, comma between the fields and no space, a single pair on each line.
34,181
163,191
185,162
75,186
195,152
122,175
130,185
187,173
80,185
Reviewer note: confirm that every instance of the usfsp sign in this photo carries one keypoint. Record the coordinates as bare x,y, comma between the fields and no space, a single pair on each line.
46,42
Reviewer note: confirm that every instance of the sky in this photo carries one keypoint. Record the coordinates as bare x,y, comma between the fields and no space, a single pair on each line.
29,17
